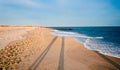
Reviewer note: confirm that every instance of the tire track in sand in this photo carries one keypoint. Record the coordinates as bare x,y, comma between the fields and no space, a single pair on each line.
109,60
61,60
41,57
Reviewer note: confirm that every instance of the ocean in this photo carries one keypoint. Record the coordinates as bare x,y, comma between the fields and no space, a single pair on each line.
105,40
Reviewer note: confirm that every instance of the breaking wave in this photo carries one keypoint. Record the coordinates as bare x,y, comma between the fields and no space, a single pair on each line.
92,43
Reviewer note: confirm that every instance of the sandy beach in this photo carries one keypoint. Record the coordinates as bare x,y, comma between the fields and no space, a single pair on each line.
35,48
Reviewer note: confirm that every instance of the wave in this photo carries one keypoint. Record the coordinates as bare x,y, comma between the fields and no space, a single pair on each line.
72,34
92,43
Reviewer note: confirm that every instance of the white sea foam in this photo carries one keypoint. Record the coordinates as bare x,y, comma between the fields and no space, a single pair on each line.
92,43
71,34
104,48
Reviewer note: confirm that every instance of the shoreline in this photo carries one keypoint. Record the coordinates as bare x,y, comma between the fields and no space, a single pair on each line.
75,57
102,52
66,34
111,59
105,56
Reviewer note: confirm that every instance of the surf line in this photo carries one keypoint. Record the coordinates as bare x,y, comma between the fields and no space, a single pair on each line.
61,58
41,57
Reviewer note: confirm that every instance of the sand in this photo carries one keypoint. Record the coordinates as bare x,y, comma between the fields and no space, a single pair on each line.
8,34
35,48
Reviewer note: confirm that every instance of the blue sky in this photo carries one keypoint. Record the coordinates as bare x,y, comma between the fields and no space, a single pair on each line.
60,12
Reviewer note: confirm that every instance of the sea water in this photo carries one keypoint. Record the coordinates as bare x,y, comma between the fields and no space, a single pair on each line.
105,40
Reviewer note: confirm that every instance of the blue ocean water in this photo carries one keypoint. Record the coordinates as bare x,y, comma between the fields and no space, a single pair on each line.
105,40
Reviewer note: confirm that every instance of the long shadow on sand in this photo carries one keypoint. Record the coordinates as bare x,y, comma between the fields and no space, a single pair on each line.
108,60
61,60
41,57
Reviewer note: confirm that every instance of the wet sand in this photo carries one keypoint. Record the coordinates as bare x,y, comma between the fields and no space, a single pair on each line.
35,48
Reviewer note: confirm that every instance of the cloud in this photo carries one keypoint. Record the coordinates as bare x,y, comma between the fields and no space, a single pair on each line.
26,3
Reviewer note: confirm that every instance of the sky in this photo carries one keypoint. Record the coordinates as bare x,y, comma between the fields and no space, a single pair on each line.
60,12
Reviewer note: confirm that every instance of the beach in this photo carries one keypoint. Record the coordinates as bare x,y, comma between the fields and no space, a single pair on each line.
35,48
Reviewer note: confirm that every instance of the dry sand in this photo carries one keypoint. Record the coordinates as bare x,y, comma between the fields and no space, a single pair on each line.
34,48
8,34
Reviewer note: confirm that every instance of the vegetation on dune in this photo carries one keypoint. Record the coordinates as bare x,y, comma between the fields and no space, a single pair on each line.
4,25
11,55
